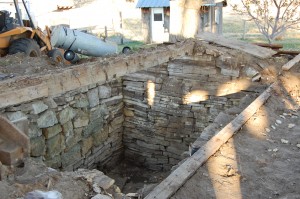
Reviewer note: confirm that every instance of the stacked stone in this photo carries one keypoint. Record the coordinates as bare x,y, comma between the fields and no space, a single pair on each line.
78,129
168,106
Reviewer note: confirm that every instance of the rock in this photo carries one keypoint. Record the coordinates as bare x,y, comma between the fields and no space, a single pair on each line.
68,129
278,121
93,97
72,155
104,92
256,78
100,196
298,145
50,103
229,72
81,120
82,102
282,116
291,125
34,131
134,195
47,119
251,72
66,115
267,130
273,127
39,107
275,150
128,113
37,146
104,181
55,145
52,131
284,141
146,189
45,195
16,116
96,188
99,112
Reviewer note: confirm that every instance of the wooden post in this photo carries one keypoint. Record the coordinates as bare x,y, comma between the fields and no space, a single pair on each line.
244,29
105,33
220,25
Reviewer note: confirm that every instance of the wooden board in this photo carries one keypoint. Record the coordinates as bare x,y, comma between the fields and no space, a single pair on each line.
178,177
291,63
252,49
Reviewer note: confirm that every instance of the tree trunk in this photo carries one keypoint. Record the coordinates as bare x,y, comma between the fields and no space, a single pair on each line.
184,18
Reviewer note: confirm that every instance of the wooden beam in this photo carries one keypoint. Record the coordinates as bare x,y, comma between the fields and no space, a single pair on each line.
178,177
252,49
291,63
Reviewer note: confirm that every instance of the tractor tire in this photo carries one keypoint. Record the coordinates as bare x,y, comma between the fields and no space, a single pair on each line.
25,45
56,55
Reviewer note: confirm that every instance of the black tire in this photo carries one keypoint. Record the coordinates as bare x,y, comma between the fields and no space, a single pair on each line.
25,45
56,55
126,50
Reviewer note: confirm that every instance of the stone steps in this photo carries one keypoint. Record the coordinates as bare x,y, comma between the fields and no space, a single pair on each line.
10,152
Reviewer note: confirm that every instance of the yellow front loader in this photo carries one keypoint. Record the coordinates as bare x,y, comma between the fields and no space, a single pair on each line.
21,36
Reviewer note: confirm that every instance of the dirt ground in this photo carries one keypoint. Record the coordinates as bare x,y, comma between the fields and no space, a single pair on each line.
18,64
261,161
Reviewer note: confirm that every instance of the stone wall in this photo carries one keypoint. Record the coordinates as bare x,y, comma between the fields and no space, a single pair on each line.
154,102
168,106
76,129
74,116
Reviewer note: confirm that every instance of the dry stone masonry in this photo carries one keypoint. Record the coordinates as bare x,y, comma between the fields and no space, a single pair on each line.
147,108
168,106
76,129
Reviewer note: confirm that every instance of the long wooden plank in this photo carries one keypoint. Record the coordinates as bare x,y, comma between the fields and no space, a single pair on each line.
291,63
177,178
252,49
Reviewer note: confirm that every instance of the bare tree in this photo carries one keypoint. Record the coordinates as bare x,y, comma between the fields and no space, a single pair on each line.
272,17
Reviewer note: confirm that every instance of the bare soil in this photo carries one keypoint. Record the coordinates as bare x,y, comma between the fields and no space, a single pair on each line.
261,161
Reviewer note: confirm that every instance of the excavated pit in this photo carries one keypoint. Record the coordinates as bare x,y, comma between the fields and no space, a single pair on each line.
134,117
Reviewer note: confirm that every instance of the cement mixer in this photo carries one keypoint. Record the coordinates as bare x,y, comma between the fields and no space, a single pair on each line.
75,41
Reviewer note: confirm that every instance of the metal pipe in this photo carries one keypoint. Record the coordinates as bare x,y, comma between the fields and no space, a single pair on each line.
18,12
28,14
80,42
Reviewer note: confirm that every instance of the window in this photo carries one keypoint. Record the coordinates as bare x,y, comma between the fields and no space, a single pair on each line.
157,16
